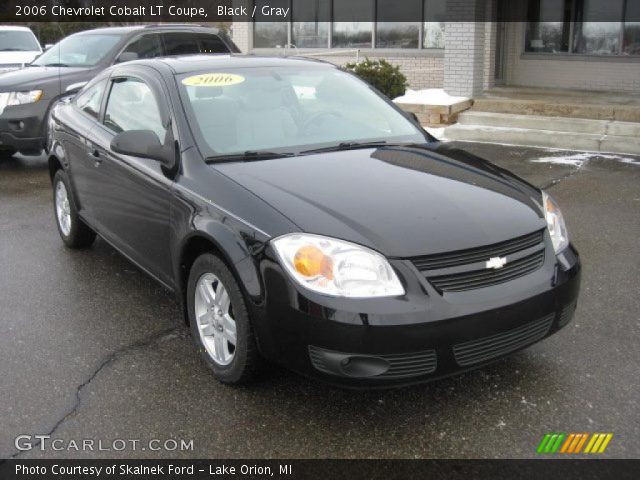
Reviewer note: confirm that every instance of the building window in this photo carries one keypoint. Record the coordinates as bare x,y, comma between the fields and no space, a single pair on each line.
582,32
427,32
310,34
544,35
391,33
433,27
352,34
631,37
270,34
593,37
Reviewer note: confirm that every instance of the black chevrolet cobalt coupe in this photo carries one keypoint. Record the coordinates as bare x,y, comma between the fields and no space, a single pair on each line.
300,217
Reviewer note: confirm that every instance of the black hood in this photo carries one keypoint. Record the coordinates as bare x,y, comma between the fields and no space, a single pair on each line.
43,78
400,201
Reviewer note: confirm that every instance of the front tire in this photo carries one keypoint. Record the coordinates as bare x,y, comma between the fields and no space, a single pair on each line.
219,321
73,231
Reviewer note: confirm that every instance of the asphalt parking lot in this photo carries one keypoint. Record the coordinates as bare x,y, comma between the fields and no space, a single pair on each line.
89,349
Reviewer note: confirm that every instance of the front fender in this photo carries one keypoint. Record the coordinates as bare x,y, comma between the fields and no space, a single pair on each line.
236,246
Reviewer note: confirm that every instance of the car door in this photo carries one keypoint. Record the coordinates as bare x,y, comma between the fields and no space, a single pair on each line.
83,172
132,200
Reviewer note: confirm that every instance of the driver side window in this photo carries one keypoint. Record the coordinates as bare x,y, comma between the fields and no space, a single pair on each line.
133,106
89,101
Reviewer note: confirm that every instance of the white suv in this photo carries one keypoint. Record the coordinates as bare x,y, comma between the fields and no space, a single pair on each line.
18,47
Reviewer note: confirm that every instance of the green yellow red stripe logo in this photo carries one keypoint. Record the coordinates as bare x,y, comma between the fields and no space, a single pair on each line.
574,443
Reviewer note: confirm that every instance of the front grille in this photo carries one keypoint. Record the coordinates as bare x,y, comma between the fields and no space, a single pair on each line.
467,270
401,365
480,254
566,314
459,282
410,364
488,348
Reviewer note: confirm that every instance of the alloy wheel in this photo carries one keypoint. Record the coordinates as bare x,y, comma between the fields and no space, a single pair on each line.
63,209
214,314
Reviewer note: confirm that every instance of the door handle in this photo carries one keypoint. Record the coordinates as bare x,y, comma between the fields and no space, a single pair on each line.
95,153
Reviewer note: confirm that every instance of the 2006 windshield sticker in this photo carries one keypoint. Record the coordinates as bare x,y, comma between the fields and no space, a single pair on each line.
213,80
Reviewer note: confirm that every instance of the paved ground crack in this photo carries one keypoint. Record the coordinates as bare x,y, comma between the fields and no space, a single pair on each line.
108,360
554,181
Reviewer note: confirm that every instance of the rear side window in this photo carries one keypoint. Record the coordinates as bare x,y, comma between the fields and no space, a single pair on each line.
133,106
211,44
186,43
89,101
147,46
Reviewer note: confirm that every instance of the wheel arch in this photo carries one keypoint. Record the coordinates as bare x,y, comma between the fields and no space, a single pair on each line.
54,165
238,260
56,158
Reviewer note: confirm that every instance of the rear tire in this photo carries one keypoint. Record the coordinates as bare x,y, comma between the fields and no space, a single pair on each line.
73,231
219,321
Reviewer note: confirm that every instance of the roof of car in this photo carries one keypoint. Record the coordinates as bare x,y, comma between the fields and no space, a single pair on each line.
14,27
194,63
148,27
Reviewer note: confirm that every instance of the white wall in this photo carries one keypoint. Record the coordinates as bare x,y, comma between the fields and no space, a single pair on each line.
464,48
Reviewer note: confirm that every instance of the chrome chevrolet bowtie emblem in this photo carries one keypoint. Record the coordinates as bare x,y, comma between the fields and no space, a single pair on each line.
496,262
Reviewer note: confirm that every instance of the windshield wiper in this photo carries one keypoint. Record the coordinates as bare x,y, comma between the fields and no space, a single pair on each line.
349,146
248,156
11,49
53,65
356,145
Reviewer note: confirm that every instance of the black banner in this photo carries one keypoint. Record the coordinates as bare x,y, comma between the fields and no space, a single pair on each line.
319,469
205,11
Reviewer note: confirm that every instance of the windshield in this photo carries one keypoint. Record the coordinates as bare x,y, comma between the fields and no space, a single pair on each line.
78,51
287,109
18,41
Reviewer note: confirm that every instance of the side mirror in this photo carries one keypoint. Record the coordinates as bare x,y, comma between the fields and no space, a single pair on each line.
47,46
144,144
74,87
127,57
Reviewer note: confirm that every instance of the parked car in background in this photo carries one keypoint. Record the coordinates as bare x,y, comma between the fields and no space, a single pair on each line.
26,95
298,213
18,47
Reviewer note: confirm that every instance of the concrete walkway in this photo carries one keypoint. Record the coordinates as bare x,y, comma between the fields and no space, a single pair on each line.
561,103
570,119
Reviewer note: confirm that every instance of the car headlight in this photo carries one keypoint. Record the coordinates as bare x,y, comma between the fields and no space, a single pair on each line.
555,223
21,98
335,267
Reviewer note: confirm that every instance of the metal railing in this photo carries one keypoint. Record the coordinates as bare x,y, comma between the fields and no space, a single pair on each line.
324,53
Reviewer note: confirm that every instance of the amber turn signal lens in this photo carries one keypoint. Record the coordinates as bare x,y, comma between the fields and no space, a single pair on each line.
311,262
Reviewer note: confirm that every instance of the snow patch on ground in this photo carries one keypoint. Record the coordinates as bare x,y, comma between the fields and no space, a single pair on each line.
579,159
631,161
429,96
576,160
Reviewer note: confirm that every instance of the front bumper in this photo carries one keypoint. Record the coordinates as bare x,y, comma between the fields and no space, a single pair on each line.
21,127
419,337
